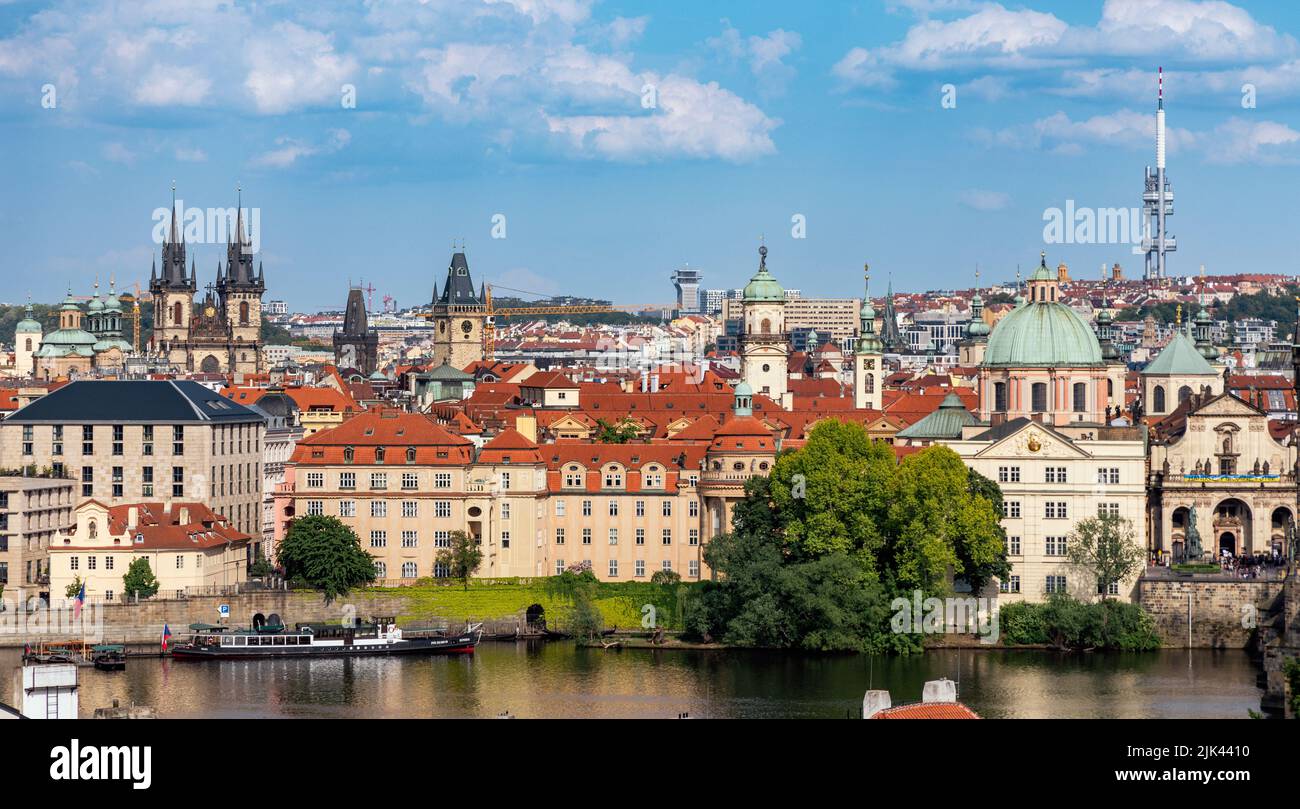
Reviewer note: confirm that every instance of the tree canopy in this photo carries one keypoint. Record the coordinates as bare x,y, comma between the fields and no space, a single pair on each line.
323,553
1105,548
139,579
462,558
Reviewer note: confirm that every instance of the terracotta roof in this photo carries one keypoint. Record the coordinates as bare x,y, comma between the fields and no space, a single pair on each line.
548,379
394,431
928,710
510,447
327,399
159,529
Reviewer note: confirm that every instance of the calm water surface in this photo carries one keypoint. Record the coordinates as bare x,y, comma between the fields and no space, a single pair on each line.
559,680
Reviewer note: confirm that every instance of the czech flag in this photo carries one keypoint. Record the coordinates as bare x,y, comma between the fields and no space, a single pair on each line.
166,636
79,602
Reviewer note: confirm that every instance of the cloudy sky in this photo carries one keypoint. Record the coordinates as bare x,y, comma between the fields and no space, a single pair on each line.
610,142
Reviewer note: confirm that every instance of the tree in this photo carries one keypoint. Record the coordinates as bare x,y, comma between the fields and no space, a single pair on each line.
462,558
578,587
621,433
139,579
74,588
1106,548
323,553
260,567
665,577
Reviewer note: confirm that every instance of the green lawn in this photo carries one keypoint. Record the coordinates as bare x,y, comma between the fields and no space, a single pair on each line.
619,603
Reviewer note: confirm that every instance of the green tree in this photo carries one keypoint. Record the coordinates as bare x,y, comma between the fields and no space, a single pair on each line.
1106,548
621,433
72,589
578,588
260,567
463,558
323,553
139,579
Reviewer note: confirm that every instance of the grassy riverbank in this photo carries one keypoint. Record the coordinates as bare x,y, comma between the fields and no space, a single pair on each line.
620,603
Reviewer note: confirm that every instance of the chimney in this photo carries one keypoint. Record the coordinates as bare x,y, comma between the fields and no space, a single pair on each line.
943,690
873,702
527,427
132,518
184,517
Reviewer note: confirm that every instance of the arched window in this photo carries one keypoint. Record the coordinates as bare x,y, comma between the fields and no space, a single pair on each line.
767,326
1158,399
870,384
1038,398
1080,397
1184,393
379,454
410,454
176,313
1110,388
1000,397
243,312
381,569
29,344
348,454
408,570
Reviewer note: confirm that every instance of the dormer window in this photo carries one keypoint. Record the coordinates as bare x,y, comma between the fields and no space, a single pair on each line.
379,454
348,454
410,454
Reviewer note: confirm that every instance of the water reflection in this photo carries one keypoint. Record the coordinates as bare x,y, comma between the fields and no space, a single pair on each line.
559,680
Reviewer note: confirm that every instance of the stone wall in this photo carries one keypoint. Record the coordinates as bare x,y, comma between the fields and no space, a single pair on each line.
142,624
1223,610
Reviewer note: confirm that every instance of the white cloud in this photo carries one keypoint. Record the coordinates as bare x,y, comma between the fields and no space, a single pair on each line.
293,67
983,200
764,55
1238,141
190,154
166,85
118,153
290,150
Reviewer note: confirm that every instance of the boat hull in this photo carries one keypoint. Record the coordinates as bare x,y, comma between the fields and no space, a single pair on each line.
460,644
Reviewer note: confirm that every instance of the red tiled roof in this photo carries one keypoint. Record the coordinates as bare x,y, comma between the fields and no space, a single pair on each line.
928,710
393,430
161,529
510,447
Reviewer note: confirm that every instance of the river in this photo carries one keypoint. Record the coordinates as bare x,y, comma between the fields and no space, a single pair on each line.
559,680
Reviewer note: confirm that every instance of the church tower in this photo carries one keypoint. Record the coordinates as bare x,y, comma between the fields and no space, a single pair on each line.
173,295
240,290
764,344
27,338
356,347
868,356
458,317
971,349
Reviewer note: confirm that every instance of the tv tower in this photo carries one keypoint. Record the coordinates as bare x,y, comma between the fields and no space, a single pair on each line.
1158,197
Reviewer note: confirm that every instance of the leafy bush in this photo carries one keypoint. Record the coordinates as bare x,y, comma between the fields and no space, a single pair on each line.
1071,624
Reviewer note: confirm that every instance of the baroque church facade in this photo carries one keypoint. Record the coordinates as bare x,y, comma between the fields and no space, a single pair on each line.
220,333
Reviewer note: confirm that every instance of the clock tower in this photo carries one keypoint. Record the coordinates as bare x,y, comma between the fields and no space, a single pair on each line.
868,355
764,343
458,317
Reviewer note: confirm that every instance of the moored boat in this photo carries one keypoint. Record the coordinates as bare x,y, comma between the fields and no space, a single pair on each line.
109,657
381,637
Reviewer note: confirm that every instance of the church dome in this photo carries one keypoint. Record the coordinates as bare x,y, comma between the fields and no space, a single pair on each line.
1042,333
28,324
763,288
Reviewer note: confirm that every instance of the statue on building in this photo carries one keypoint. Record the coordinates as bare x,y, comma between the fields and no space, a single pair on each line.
1192,550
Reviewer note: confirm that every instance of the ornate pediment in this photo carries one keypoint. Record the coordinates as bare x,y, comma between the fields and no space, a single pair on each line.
1227,405
1034,441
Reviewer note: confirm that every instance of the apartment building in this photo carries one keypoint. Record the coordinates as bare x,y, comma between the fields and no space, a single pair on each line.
189,548
128,441
32,511
834,319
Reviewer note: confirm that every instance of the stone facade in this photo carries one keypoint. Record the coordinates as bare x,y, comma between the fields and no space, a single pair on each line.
32,512
1224,612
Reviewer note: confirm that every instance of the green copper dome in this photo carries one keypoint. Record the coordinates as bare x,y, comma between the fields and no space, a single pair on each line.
28,324
1042,333
763,288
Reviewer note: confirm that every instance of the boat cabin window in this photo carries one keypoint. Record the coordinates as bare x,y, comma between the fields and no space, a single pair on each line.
225,641
278,640
239,641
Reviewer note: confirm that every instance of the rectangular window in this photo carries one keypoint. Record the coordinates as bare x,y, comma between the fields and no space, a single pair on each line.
668,536
1010,585
559,566
28,430
695,508
505,511
378,508
505,481
694,536
442,480
409,539
1055,546
668,564
108,562
118,431
559,507
613,568
178,440
640,508
1013,509
1055,584
693,568
1056,474
178,481
117,481
347,508
1055,510
180,562
613,508
146,439
88,440
74,563
87,481
1008,474
410,508
559,536
638,568
1013,546
442,539
1108,509
146,481
315,508
379,480
668,508
1108,474
613,536
586,536
586,508
315,480
442,508
640,536
57,441
379,539
90,562
347,480
410,481
505,539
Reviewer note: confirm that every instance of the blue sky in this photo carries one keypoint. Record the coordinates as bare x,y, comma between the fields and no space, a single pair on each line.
536,110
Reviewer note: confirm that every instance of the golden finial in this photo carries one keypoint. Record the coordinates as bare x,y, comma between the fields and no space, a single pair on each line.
1178,314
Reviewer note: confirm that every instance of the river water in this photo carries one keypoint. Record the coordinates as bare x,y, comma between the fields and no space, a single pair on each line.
558,679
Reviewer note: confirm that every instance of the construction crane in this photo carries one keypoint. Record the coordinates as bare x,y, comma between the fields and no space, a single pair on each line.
135,316
489,323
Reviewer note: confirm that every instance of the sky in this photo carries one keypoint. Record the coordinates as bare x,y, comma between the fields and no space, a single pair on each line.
591,147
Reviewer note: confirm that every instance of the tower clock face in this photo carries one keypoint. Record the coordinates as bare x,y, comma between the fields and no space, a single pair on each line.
210,311
466,326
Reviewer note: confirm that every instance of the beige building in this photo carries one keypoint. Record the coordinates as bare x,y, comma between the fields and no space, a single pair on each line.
125,442
834,319
32,511
1217,457
190,549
